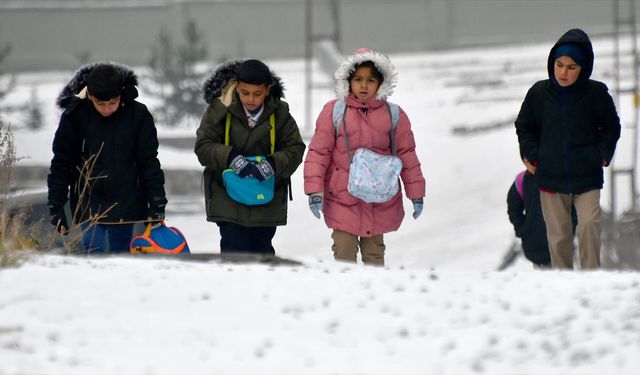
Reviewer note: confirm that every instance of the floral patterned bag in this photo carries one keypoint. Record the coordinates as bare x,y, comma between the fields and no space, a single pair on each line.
373,178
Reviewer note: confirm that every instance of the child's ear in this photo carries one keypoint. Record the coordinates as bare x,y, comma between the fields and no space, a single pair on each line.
269,89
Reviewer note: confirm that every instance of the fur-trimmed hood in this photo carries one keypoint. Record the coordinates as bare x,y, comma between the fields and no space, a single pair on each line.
381,61
76,86
223,80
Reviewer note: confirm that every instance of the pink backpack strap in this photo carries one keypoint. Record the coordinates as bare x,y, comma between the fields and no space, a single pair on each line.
519,182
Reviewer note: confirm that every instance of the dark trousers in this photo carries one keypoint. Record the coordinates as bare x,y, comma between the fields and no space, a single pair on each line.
235,238
113,238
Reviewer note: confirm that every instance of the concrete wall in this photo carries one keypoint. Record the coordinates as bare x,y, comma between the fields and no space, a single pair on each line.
55,34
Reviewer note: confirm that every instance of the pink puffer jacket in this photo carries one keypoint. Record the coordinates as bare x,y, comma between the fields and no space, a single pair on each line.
326,167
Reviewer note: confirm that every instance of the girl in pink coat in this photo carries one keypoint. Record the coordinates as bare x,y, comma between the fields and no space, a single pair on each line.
364,80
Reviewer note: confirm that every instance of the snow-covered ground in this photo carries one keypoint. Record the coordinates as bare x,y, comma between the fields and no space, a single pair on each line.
439,307
62,315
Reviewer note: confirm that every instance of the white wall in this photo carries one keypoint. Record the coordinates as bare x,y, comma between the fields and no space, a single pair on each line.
53,34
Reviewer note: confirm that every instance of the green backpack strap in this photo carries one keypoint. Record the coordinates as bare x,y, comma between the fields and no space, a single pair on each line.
227,126
272,131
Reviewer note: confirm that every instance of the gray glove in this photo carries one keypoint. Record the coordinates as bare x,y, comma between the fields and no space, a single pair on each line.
417,207
315,204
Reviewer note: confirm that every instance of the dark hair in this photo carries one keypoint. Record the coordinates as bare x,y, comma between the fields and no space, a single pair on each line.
254,72
104,82
368,64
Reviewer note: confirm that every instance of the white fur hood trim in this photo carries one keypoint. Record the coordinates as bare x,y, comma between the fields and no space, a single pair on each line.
381,61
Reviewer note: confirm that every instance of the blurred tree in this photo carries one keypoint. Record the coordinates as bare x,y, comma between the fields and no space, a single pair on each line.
33,109
7,161
5,87
176,80
83,57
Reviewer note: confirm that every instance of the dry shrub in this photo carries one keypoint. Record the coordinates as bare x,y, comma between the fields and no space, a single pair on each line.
19,232
11,238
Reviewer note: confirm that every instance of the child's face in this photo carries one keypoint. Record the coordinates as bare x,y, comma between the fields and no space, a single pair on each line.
363,84
566,71
252,96
105,107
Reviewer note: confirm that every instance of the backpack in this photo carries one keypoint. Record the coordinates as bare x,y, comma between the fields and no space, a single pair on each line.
340,107
159,239
373,178
519,183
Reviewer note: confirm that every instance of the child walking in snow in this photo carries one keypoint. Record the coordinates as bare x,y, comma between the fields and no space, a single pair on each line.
364,80
247,117
568,128
105,159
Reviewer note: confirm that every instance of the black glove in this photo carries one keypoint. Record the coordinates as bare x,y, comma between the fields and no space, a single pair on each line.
240,165
265,169
59,219
155,214
232,155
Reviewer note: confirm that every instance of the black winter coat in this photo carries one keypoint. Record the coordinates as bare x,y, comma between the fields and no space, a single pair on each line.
117,156
569,136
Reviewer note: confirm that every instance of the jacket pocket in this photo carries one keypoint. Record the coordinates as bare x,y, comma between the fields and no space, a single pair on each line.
586,161
548,164
336,187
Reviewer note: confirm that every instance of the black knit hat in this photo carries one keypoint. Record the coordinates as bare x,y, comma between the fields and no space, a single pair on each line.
254,72
104,82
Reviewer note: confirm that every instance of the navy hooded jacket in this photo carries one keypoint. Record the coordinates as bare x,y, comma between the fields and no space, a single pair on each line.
569,137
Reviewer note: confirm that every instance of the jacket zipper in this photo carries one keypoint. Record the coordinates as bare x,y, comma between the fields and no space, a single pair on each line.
565,146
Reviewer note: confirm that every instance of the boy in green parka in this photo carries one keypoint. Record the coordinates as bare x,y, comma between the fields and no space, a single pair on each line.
247,96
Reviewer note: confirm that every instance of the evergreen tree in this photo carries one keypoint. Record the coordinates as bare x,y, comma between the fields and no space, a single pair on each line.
34,116
175,78
5,87
83,57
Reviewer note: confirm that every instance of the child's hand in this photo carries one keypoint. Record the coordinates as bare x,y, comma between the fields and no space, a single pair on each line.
315,204
264,169
417,207
530,167
239,164
59,219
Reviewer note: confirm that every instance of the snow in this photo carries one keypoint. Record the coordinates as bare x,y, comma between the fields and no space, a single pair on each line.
438,307
65,315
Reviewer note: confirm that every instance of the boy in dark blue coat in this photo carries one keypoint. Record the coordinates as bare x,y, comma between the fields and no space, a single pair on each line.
568,128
